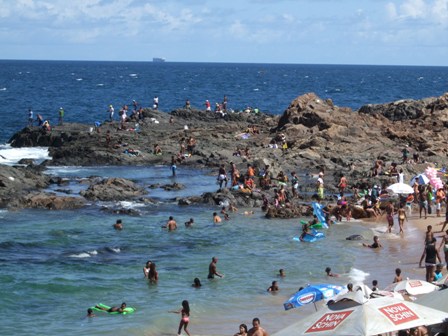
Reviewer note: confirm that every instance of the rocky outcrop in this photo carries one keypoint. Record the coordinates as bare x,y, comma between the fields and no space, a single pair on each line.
319,135
113,189
49,201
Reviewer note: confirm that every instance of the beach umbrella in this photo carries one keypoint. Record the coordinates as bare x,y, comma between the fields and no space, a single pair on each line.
383,293
311,294
420,178
436,300
412,287
375,316
400,188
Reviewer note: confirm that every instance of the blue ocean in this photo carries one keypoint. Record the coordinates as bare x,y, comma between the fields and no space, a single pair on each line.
56,264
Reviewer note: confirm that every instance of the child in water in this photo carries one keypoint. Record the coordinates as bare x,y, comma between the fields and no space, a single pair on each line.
185,312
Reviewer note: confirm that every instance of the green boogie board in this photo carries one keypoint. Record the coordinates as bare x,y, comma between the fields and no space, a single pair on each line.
127,310
314,226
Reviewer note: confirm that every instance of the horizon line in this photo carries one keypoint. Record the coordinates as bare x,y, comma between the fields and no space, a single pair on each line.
218,62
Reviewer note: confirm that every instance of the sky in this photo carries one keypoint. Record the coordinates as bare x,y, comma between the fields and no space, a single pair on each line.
385,32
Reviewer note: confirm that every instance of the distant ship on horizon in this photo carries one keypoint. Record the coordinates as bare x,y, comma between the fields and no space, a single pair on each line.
158,59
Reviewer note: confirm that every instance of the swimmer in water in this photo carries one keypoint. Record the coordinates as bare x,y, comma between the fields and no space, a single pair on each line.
376,243
114,309
118,225
273,287
216,218
330,273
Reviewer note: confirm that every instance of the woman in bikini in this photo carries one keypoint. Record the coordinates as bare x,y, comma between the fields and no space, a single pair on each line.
185,313
444,243
342,185
401,217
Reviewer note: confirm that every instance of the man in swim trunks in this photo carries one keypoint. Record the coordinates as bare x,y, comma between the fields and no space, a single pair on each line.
390,216
114,309
212,269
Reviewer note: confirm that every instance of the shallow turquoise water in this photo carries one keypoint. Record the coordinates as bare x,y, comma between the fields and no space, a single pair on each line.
56,264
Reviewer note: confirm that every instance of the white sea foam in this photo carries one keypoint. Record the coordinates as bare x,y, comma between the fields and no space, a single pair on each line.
357,275
80,255
94,252
10,155
116,249
130,205
133,75
100,84
3,89
79,79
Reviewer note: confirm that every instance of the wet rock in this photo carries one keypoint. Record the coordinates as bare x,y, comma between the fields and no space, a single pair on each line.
113,189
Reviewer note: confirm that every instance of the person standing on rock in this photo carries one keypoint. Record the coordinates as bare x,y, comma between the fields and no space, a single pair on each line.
61,116
111,111
320,186
342,185
295,185
30,117
155,103
222,177
208,107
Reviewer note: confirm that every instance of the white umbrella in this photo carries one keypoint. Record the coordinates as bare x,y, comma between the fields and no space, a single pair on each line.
400,188
412,287
376,316
382,293
436,300
420,178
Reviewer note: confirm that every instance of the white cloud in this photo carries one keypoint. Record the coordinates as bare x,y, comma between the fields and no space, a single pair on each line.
414,9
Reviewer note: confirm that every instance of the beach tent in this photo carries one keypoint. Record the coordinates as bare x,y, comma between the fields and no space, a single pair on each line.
373,317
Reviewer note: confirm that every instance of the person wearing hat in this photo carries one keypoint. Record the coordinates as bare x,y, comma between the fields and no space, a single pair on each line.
111,112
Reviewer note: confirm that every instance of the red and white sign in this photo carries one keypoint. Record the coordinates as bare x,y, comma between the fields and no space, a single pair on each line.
306,298
415,283
399,313
329,321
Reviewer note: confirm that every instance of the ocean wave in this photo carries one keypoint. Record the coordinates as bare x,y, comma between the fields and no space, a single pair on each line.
10,156
79,79
100,84
130,205
80,255
3,89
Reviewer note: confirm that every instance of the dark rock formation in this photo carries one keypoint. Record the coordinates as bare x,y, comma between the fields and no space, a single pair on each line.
113,189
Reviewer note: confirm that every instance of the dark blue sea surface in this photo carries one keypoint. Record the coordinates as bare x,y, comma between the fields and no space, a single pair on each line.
85,89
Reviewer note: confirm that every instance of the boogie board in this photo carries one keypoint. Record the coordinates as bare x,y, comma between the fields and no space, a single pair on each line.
314,226
311,238
127,310
317,210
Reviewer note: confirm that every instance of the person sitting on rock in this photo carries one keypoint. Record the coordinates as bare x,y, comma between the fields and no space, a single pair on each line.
157,149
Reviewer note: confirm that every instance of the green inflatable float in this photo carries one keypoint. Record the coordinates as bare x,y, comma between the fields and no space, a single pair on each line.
103,308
